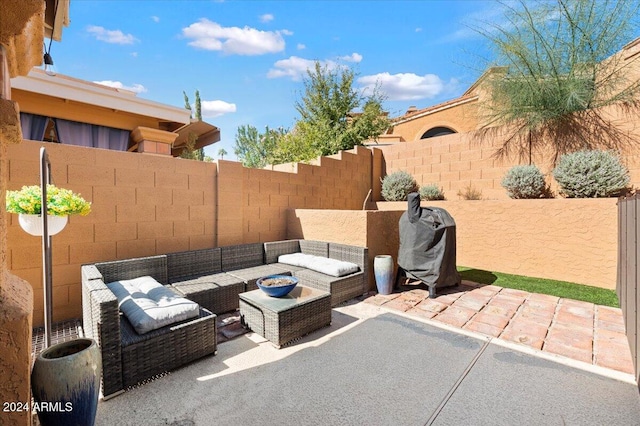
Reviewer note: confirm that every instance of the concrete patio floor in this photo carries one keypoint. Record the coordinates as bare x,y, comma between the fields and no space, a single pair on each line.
377,366
476,354
578,330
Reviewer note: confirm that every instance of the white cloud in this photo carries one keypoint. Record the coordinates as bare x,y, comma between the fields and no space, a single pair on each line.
136,88
404,86
295,67
354,57
267,17
301,46
209,35
216,108
110,36
286,32
155,19
418,29
134,54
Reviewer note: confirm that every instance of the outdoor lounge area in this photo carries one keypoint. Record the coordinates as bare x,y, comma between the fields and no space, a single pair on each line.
146,341
163,276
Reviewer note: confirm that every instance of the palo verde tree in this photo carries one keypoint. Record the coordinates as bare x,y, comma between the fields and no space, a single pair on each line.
558,74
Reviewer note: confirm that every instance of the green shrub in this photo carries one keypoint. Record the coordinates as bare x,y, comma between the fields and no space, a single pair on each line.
397,185
591,174
524,182
431,192
470,193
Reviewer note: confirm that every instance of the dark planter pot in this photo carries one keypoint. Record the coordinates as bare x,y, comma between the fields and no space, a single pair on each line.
383,269
65,382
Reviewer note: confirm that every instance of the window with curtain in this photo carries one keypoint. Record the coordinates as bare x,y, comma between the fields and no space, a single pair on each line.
33,126
90,135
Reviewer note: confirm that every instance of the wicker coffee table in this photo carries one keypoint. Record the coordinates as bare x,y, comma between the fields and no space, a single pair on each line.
283,319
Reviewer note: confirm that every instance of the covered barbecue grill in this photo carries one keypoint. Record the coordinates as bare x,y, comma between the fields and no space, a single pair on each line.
427,245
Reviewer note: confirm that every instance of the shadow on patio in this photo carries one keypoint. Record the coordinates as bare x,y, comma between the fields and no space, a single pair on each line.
375,367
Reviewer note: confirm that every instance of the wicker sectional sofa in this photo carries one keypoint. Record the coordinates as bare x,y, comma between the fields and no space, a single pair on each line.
213,278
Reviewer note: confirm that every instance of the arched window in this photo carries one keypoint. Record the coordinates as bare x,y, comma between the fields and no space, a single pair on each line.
437,131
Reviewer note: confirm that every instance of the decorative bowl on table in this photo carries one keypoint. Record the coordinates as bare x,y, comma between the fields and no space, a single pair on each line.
277,285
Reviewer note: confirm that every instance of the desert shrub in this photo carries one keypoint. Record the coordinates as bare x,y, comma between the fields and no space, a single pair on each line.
397,185
431,192
524,182
470,193
591,174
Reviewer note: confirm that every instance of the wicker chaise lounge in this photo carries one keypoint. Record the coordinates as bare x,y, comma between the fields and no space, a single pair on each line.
128,357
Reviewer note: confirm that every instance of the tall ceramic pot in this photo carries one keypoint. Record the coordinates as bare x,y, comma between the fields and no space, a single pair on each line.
383,270
65,382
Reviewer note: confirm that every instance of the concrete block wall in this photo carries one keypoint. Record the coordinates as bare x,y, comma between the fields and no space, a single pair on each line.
142,205
253,202
455,162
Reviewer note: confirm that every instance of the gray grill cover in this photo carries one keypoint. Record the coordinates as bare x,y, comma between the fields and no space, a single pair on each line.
428,244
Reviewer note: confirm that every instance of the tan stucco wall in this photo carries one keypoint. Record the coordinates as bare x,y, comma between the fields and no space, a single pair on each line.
573,240
462,119
566,240
50,106
21,36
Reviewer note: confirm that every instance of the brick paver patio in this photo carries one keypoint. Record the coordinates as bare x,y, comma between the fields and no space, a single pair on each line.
578,330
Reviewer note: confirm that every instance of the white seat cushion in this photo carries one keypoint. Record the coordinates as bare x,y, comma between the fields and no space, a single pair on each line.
333,267
149,305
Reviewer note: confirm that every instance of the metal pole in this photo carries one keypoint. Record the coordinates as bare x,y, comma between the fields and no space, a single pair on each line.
45,179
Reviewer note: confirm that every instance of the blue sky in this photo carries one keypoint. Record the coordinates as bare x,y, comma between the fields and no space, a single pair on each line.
247,58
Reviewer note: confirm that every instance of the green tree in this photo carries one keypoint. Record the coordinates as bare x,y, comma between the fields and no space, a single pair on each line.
187,105
190,150
559,73
198,106
221,153
255,149
328,122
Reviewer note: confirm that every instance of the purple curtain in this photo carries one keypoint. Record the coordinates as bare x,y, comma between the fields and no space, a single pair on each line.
74,133
33,126
83,134
110,138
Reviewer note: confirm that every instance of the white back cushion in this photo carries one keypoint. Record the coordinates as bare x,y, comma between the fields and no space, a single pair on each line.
149,305
333,267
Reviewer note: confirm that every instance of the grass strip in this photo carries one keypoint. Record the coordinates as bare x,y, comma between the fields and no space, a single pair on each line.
564,289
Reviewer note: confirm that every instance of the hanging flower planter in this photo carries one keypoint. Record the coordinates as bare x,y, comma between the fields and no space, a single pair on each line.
27,203
32,223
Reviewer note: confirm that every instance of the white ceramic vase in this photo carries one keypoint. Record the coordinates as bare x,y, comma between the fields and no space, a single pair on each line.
32,223
383,267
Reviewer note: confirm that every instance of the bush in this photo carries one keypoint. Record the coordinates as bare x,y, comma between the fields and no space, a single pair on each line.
470,193
431,192
524,182
397,185
591,174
